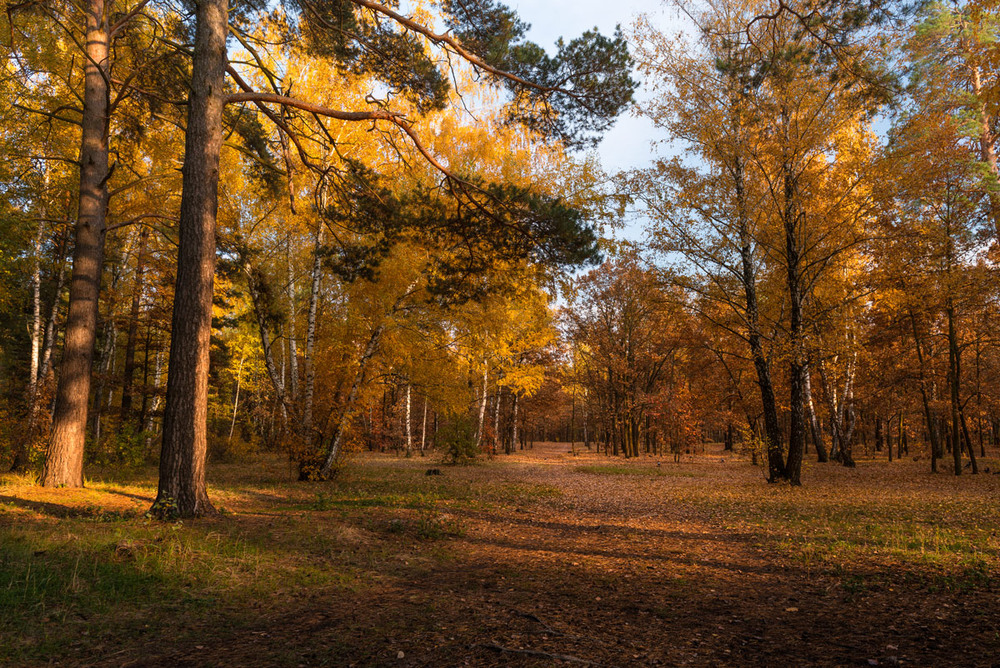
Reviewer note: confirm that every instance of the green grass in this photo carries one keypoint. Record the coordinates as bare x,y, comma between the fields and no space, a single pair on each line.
84,571
608,469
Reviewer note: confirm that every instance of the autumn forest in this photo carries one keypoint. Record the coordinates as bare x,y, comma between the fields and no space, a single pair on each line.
327,337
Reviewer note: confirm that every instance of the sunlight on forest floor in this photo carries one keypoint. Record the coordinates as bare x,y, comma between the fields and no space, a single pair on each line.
610,561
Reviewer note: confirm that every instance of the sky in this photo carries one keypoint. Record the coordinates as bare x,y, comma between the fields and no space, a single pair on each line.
628,144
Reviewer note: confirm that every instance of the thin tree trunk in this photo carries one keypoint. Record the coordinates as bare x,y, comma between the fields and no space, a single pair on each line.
954,382
409,424
182,487
293,360
817,431
423,429
513,438
482,407
64,459
236,399
333,451
36,312
133,326
310,364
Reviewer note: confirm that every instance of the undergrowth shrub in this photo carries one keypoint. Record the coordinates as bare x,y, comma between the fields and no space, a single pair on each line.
457,440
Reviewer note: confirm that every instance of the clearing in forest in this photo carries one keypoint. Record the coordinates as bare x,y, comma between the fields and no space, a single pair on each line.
539,558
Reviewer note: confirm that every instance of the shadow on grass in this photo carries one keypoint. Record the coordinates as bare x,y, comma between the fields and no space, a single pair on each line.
54,509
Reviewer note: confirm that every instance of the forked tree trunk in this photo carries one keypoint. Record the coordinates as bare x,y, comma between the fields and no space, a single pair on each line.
182,457
64,459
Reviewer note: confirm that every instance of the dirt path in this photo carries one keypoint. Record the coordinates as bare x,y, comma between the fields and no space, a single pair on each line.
616,570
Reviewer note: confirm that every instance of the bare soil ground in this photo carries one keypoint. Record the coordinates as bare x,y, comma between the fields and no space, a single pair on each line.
541,558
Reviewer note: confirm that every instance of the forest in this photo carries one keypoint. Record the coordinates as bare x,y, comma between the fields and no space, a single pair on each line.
326,338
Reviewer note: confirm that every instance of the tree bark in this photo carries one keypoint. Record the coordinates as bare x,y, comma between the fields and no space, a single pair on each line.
409,424
182,487
310,364
64,459
293,355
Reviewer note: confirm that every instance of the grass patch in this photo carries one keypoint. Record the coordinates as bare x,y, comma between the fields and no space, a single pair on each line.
610,469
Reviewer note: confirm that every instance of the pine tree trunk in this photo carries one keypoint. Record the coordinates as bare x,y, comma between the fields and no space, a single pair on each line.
64,459
182,458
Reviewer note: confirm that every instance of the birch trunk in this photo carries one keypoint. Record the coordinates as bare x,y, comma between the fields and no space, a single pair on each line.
236,399
423,429
409,429
482,407
310,370
293,353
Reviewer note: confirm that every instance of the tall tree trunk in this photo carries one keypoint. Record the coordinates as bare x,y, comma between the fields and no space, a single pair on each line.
64,459
133,326
409,423
310,364
423,429
482,407
182,458
21,444
50,326
36,311
954,382
817,431
293,355
236,399
797,367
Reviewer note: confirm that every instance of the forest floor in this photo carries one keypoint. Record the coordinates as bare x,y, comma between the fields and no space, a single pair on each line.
539,558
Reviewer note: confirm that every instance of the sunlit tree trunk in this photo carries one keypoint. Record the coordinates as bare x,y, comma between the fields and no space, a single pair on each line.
64,459
310,364
423,429
409,424
482,407
293,360
182,458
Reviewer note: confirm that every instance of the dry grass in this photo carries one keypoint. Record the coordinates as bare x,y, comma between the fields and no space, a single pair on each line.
618,562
